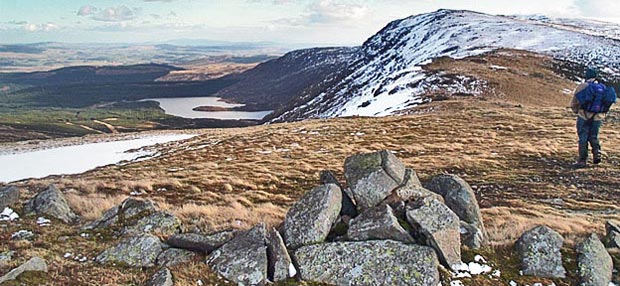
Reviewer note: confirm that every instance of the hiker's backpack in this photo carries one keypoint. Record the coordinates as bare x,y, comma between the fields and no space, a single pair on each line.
596,98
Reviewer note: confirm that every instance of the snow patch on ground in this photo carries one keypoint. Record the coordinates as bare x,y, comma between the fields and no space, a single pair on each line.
8,215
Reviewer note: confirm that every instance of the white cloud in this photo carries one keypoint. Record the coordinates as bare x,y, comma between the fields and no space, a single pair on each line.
329,11
110,14
598,8
47,27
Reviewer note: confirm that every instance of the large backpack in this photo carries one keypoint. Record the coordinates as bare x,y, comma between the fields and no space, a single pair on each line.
596,98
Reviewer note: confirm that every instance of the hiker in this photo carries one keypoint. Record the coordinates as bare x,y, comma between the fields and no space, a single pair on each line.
591,102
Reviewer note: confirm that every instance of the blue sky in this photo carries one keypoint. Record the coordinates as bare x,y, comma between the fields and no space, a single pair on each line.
316,22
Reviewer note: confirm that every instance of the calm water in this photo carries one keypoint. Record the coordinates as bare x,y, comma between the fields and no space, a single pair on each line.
77,158
183,107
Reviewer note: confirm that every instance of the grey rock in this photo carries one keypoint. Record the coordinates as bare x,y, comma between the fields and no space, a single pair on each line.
9,196
174,256
280,265
201,242
52,203
133,209
439,227
35,264
23,235
242,260
594,264
372,177
471,236
612,238
6,257
411,189
381,262
539,249
134,251
162,277
108,219
348,206
158,223
378,223
459,197
310,219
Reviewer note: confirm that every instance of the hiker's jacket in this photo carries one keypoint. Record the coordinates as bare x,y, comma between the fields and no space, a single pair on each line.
576,107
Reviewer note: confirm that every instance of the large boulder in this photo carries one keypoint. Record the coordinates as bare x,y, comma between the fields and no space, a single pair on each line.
51,203
162,277
35,264
459,197
242,260
372,177
438,227
127,213
594,264
280,264
9,195
174,256
378,223
381,262
201,242
158,223
348,206
612,239
539,249
134,251
310,219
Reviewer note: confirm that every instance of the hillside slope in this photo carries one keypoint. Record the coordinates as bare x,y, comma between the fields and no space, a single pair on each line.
389,75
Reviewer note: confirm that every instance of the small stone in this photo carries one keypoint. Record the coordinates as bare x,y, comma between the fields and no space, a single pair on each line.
539,249
310,219
243,260
594,264
162,277
439,227
378,223
52,203
9,196
23,235
201,242
135,251
174,256
280,264
372,177
35,264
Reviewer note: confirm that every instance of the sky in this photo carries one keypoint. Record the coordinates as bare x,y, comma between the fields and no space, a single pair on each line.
311,22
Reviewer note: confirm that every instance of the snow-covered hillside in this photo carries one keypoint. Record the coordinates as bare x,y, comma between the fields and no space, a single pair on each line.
389,77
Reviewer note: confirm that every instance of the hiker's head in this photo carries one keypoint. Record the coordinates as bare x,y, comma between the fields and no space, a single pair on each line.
591,73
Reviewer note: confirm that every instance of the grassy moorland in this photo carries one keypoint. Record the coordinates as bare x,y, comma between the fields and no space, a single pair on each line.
515,145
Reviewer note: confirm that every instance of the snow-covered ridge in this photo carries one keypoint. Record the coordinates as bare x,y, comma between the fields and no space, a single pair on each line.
388,77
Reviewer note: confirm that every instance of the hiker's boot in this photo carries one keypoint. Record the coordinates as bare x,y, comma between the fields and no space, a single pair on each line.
596,155
583,156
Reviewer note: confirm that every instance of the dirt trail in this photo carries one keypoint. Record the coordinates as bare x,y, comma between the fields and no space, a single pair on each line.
108,125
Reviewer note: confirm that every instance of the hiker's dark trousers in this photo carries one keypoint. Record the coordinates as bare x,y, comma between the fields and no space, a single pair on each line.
588,133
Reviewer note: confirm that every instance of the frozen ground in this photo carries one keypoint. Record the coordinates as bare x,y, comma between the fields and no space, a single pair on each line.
77,158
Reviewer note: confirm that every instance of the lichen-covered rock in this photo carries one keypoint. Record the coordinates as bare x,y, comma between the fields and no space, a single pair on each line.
348,206
174,256
612,238
108,219
162,277
378,223
439,227
380,262
35,264
135,251
594,264
310,219
9,195
411,189
459,197
280,264
471,236
201,242
539,249
242,260
51,203
372,177
158,223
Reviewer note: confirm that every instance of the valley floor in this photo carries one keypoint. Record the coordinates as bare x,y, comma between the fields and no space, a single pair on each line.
516,155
